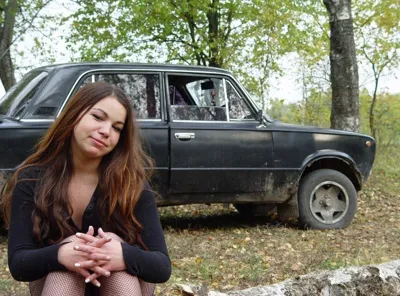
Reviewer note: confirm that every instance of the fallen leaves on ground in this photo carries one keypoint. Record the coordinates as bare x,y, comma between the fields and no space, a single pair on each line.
214,247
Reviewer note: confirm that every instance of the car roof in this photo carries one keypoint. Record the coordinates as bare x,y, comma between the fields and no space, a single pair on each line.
132,66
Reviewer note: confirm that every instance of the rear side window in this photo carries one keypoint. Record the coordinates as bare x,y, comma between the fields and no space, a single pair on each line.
143,91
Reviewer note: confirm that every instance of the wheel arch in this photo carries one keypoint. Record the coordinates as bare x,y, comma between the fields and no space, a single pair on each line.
334,160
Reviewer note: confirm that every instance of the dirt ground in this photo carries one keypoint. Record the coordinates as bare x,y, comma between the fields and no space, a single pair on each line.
215,247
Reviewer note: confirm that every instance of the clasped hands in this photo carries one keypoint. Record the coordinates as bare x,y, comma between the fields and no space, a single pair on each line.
101,255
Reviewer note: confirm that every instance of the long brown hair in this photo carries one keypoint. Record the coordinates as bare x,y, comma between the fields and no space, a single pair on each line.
122,173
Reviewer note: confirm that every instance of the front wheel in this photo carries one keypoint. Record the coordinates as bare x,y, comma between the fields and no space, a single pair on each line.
327,200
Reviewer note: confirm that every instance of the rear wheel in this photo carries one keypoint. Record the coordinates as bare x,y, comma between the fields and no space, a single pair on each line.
327,200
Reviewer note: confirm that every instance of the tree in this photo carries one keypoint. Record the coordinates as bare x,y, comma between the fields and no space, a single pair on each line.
209,33
379,43
387,115
246,37
16,18
345,112
8,11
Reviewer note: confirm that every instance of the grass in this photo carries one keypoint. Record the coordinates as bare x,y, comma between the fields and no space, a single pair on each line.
214,246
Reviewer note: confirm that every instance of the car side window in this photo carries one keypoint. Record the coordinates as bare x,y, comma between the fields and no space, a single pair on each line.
197,98
238,109
143,91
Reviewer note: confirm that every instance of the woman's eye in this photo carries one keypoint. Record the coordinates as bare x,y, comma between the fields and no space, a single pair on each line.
97,117
117,129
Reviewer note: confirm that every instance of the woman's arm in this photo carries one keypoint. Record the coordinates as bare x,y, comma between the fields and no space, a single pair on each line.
26,260
154,265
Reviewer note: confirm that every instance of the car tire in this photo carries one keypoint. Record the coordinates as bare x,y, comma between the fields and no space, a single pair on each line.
327,200
250,209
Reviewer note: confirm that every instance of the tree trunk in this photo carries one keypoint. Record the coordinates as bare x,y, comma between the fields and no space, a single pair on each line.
151,98
345,113
213,17
372,108
6,35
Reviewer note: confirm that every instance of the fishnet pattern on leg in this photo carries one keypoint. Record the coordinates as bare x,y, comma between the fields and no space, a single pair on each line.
59,283
147,288
64,283
122,283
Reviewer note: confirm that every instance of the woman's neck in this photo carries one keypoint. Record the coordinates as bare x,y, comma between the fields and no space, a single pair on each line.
85,166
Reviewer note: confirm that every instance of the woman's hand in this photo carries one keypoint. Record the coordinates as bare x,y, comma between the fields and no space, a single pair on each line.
95,247
68,256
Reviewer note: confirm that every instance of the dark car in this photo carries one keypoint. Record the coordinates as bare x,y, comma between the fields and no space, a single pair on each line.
210,142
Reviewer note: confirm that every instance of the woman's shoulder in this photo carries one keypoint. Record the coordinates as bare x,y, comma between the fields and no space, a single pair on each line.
26,182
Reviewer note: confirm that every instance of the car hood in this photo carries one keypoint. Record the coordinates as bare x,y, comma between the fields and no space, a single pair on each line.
7,121
276,124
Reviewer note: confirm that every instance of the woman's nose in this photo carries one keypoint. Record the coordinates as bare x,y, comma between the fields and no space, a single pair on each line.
105,129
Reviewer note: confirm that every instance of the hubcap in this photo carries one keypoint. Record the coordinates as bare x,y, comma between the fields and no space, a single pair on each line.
329,202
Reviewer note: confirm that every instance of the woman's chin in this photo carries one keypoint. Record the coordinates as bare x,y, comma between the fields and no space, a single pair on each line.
94,153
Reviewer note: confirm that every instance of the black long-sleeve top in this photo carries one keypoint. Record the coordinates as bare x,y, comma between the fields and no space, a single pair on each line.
29,260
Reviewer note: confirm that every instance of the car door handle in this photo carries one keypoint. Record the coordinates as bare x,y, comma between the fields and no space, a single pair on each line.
184,136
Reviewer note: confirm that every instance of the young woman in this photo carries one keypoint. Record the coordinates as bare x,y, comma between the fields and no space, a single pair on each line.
80,210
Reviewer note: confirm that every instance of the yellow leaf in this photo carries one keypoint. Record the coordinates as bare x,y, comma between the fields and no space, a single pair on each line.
199,260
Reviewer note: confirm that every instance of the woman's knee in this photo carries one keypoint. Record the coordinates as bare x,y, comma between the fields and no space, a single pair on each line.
120,283
63,283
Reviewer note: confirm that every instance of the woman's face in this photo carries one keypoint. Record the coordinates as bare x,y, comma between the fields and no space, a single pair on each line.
98,131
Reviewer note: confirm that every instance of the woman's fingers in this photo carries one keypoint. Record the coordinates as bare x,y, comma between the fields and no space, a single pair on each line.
83,272
89,264
99,257
101,241
90,231
101,271
91,249
86,237
109,234
86,249
93,279
93,241
89,277
102,234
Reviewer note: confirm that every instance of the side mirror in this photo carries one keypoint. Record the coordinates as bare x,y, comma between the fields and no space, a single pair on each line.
261,119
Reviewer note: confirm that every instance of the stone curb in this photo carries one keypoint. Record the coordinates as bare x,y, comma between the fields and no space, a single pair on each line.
370,280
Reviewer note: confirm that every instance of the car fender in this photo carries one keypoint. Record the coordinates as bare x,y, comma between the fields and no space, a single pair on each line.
327,153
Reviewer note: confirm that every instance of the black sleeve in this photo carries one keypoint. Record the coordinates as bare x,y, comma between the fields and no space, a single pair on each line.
153,265
26,260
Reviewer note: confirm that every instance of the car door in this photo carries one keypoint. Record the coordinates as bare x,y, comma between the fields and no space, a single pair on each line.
216,146
144,90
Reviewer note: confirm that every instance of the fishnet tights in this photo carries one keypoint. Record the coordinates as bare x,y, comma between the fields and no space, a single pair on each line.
64,283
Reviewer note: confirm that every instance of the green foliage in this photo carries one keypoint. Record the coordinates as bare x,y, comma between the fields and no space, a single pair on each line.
387,117
376,28
281,111
214,33
247,37
315,110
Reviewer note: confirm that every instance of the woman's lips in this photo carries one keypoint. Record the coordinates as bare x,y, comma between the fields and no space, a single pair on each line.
99,142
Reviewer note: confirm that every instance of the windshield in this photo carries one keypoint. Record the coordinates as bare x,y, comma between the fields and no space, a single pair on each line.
15,101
